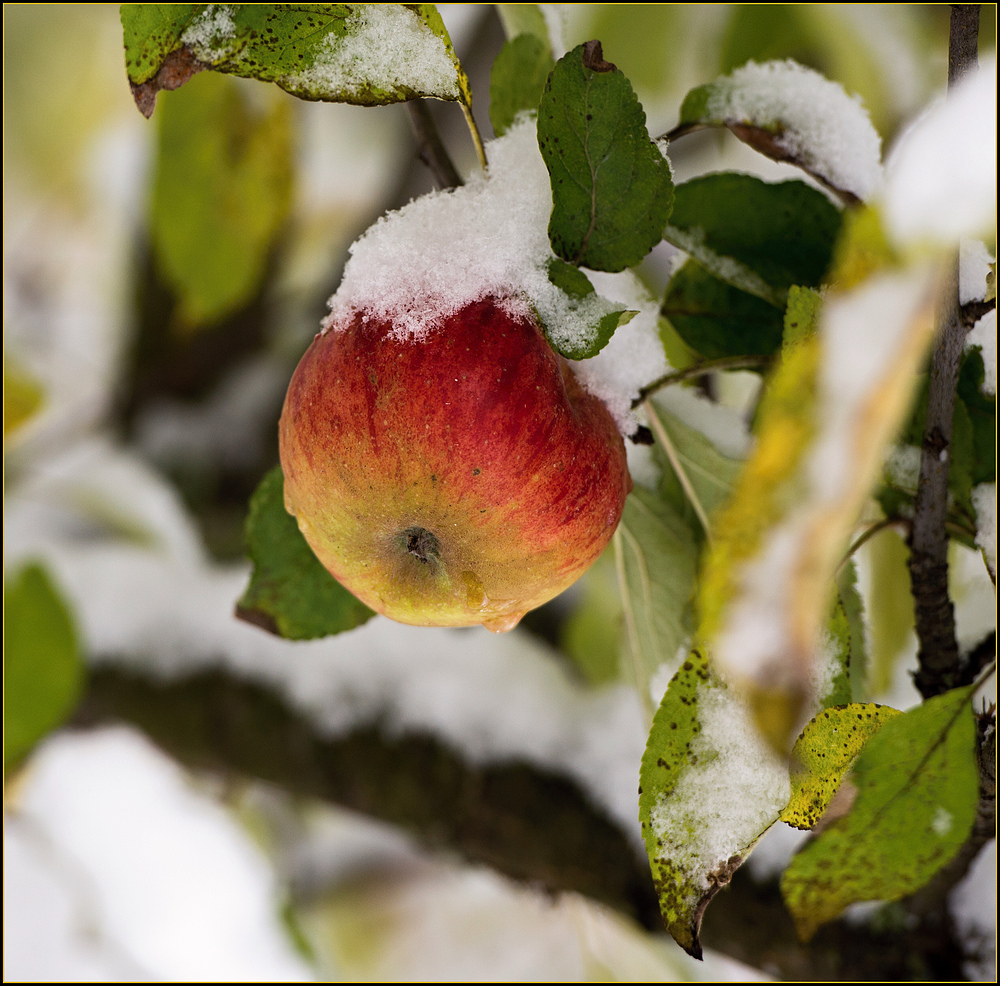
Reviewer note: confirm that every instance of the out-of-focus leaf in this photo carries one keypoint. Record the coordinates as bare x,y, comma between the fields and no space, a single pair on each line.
717,320
917,788
23,396
599,317
759,237
517,79
290,592
837,653
854,608
655,556
524,18
711,474
42,670
982,413
891,607
708,789
222,192
801,314
611,186
364,53
592,634
824,753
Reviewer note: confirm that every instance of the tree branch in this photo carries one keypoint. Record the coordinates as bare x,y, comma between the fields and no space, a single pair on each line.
700,369
527,823
430,147
935,615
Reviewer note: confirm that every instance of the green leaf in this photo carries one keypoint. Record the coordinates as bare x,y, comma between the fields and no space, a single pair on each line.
584,324
838,654
290,592
982,413
801,315
917,789
708,789
612,190
23,396
824,753
758,237
221,194
716,319
711,474
592,634
524,18
853,606
42,671
369,54
517,79
655,556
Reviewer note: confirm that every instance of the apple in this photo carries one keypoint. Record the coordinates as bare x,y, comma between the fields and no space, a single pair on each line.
459,479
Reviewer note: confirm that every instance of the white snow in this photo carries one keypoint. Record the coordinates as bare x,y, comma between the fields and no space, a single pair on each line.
984,499
489,238
175,885
984,335
821,126
728,798
211,33
941,177
386,46
902,467
974,262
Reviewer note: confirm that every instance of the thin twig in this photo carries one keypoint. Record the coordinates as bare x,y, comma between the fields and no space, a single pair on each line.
869,533
430,147
682,477
698,370
935,615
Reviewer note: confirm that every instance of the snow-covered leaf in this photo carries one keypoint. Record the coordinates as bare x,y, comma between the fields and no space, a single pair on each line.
758,237
655,554
221,194
834,664
854,611
290,593
364,53
612,189
517,79
791,113
582,304
824,752
708,789
917,787
42,668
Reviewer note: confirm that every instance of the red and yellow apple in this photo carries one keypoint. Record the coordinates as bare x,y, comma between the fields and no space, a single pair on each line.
459,479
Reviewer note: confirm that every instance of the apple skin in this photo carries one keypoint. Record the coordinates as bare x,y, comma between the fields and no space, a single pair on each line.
461,479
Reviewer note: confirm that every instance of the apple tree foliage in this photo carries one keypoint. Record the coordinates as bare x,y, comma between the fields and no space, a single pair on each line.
890,795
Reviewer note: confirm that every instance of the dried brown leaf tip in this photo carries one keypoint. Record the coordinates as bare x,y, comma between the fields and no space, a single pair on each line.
593,58
177,68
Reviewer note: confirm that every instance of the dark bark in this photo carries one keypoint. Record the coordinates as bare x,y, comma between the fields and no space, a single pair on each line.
935,617
430,147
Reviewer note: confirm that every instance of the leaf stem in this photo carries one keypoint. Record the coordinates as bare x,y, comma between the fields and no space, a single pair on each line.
477,139
698,370
682,477
869,533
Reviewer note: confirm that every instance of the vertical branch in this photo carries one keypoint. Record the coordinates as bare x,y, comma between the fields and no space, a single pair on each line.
935,615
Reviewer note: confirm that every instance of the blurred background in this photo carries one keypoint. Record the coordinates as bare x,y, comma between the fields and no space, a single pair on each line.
161,280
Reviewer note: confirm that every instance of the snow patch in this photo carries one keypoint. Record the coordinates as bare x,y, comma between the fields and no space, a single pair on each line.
984,499
820,125
941,179
974,262
984,335
724,802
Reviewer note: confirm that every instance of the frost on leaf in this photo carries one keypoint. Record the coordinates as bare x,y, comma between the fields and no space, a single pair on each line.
917,788
791,113
709,788
364,53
